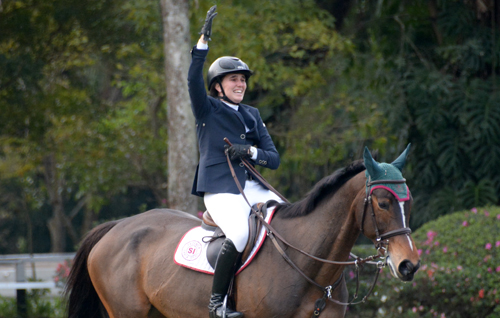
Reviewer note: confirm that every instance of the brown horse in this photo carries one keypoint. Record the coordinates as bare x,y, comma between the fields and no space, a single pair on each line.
125,268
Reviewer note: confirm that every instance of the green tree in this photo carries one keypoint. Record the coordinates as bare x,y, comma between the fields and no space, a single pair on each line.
436,65
71,111
295,53
83,116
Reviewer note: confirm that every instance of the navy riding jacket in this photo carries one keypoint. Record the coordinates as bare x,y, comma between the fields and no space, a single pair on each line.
215,121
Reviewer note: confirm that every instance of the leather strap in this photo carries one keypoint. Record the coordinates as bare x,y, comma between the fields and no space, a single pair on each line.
256,174
271,230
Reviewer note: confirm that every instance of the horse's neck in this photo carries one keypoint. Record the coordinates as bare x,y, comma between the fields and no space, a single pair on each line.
331,229
344,228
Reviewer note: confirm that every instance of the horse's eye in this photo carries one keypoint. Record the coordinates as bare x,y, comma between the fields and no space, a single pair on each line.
383,205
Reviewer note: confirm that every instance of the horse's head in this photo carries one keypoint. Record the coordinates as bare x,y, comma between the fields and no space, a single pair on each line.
386,214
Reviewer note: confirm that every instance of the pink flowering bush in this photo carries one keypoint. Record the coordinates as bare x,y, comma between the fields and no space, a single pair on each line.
62,273
459,276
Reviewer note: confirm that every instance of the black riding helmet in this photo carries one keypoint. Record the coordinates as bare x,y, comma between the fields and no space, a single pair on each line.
226,65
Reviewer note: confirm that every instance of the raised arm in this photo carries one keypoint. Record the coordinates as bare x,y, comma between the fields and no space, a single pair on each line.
200,103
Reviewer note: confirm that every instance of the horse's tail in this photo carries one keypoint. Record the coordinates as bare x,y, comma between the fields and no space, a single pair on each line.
83,301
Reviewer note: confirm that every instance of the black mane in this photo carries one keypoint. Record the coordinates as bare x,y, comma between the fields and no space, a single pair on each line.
324,188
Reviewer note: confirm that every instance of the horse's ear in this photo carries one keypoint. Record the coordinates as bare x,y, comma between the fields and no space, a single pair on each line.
401,160
371,165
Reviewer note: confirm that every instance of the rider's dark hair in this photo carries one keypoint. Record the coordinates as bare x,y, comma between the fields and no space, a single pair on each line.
213,91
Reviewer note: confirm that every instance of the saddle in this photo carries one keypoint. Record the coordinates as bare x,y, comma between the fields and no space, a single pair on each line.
215,241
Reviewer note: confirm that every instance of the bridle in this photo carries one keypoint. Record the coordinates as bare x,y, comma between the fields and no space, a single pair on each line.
382,240
368,201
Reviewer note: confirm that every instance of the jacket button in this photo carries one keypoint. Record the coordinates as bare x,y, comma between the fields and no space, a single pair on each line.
242,136
241,164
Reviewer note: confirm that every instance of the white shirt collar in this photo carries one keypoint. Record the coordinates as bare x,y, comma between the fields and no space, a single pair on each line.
235,107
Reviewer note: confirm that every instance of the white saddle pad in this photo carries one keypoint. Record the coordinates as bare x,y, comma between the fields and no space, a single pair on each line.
191,251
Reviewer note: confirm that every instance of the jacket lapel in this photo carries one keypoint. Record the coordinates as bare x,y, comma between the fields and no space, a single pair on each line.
247,118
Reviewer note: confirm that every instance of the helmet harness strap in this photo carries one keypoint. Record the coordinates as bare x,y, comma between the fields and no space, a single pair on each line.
224,96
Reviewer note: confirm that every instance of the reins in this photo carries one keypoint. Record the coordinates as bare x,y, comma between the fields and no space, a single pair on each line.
272,231
327,291
252,169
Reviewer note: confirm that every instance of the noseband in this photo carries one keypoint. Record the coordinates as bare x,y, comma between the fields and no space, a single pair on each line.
380,239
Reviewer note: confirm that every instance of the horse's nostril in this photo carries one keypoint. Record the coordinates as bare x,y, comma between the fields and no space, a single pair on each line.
405,267
408,269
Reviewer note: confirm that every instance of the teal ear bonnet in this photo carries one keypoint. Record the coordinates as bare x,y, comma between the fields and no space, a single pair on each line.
387,171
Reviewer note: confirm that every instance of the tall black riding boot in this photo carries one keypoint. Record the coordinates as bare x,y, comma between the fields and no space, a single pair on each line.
224,273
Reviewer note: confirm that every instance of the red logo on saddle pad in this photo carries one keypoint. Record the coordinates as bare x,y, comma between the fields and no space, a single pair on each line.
191,250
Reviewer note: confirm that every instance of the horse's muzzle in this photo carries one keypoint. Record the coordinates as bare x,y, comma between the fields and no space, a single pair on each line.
407,270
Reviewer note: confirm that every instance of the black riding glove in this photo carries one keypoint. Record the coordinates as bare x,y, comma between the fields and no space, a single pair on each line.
206,30
238,151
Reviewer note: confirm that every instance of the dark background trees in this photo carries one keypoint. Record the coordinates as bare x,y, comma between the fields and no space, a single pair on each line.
440,62
84,123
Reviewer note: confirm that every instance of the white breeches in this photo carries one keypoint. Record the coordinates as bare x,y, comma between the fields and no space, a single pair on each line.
230,211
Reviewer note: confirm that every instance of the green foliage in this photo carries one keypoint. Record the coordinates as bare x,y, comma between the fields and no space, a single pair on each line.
8,307
438,67
460,272
314,102
285,43
82,83
39,304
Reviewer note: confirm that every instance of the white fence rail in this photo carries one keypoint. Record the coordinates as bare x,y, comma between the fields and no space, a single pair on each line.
19,262
28,285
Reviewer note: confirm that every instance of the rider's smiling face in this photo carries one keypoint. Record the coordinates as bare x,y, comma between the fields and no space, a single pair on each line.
234,86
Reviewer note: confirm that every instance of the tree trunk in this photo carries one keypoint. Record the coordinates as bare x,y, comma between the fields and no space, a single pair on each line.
434,13
182,149
338,8
54,189
89,217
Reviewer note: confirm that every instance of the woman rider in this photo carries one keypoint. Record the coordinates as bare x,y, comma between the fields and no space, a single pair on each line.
221,115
